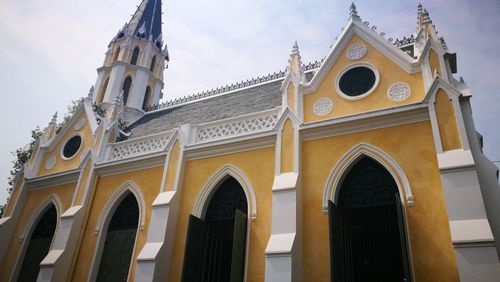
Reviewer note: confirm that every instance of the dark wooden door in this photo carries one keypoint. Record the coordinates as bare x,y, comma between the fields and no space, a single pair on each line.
38,246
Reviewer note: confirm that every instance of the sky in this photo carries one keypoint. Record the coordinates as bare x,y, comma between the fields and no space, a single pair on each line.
50,50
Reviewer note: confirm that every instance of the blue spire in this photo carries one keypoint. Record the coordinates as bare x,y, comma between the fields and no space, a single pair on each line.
146,21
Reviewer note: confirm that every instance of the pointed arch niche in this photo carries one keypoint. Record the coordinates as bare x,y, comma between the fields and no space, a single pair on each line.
206,193
332,187
218,232
123,213
37,239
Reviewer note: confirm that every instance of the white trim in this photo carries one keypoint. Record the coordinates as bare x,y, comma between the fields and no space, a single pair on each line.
364,122
104,219
214,181
350,67
350,158
30,227
66,142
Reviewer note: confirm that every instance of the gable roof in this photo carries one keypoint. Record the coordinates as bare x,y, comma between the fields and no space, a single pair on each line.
253,99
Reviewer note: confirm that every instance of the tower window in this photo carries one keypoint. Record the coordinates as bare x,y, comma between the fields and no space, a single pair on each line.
146,98
153,64
117,53
126,89
135,56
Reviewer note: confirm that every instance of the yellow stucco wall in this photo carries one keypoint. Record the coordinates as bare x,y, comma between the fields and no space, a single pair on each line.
389,73
412,148
258,167
290,96
434,62
73,162
149,181
447,122
33,201
172,166
287,147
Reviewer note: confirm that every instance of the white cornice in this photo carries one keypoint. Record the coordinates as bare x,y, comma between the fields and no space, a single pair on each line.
231,146
132,164
70,176
364,122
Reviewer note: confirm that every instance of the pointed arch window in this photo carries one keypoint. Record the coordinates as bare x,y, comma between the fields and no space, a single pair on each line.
153,64
119,241
126,89
39,245
103,91
146,98
135,56
117,53
215,244
367,230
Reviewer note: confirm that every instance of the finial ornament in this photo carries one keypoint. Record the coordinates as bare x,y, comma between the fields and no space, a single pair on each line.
295,48
54,118
353,13
91,92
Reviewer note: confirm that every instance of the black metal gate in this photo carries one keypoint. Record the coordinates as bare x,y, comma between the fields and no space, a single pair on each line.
215,247
367,234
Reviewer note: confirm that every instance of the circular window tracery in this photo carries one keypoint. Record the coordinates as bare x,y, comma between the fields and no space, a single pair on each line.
357,81
72,146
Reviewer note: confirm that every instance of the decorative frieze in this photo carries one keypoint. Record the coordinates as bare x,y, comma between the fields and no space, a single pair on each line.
50,163
139,146
323,106
399,91
238,126
356,52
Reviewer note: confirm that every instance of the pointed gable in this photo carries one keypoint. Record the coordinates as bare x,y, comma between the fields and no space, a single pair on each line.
397,76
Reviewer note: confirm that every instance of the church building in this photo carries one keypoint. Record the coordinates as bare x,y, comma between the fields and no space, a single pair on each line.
363,166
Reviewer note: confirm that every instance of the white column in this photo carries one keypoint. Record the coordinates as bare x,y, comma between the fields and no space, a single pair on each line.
115,83
139,84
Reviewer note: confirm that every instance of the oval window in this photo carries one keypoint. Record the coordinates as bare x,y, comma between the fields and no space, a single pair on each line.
357,81
72,146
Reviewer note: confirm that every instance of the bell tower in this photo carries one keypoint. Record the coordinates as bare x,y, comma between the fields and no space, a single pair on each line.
133,65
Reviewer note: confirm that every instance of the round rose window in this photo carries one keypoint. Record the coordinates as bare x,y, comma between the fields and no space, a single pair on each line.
357,81
72,146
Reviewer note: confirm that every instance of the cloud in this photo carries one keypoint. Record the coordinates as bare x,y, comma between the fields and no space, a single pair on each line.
50,49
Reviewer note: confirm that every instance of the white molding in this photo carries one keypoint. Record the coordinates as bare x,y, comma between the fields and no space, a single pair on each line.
364,122
471,231
230,146
56,179
214,181
350,67
350,158
104,219
128,165
28,229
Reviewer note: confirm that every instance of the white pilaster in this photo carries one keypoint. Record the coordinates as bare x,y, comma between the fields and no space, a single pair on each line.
115,83
139,84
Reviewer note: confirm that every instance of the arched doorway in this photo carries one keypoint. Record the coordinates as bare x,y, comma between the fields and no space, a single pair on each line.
367,231
215,243
39,245
119,241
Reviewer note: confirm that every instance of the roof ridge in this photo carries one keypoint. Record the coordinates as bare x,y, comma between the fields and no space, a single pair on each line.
230,87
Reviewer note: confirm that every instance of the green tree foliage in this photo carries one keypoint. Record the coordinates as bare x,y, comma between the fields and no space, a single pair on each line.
23,154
